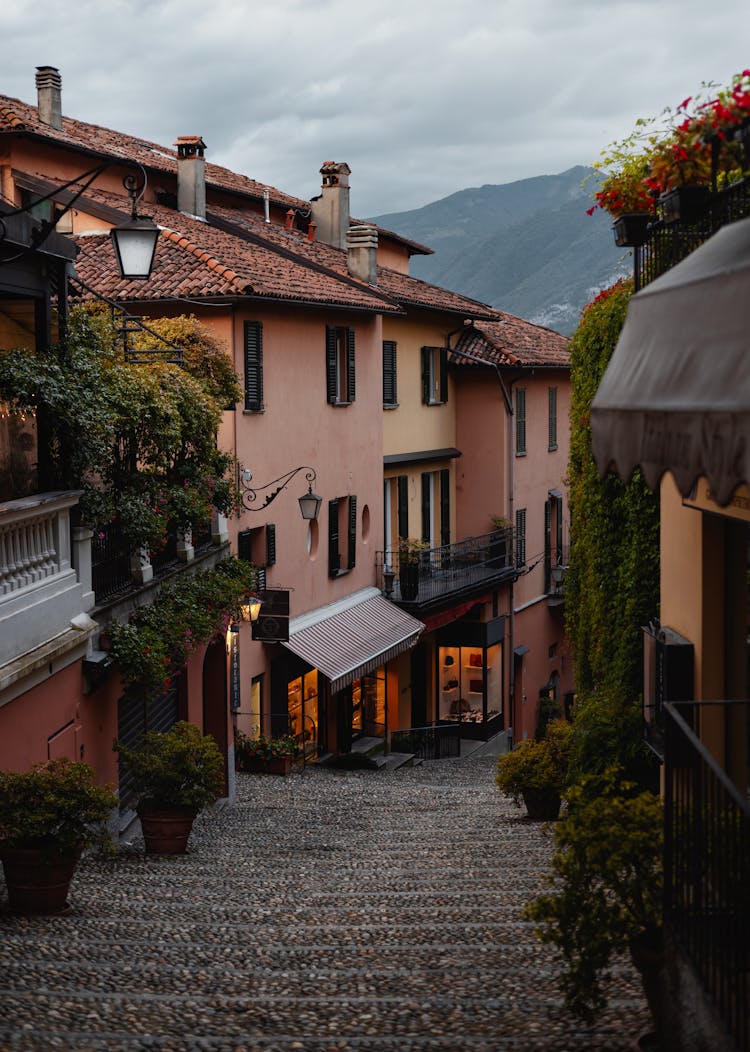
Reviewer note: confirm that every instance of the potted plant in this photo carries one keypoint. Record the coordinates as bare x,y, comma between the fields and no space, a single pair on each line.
265,755
607,892
410,564
47,817
536,771
175,774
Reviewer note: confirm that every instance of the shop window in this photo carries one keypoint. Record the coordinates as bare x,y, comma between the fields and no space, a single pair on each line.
470,683
342,535
390,388
434,375
340,360
304,711
368,705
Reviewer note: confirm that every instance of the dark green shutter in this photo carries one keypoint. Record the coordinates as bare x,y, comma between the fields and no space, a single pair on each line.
350,384
245,545
270,544
547,545
521,538
352,555
520,420
560,553
253,366
331,384
445,506
334,559
443,374
390,396
426,375
426,524
552,398
403,506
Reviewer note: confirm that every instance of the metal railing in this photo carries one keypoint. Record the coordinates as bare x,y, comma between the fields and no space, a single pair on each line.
110,563
555,572
428,743
668,243
707,856
435,573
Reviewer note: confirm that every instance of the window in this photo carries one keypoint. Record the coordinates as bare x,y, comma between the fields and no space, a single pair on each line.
436,519
253,367
342,535
434,375
520,421
258,546
339,365
395,512
552,400
390,397
521,537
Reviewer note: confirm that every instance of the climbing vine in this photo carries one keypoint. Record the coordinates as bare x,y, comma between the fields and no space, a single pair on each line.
613,583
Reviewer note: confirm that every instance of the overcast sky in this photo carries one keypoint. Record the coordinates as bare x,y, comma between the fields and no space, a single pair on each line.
420,97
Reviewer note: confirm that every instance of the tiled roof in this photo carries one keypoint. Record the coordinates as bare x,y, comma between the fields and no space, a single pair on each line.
196,260
18,116
415,293
512,341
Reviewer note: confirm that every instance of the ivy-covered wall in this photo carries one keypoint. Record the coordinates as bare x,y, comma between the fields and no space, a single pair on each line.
613,582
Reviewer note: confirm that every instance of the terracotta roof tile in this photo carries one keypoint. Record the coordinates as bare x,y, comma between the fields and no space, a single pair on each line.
513,342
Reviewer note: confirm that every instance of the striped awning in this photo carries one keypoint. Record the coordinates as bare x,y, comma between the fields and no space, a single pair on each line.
353,636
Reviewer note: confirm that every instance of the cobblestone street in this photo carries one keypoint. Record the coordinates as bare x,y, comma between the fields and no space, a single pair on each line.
323,911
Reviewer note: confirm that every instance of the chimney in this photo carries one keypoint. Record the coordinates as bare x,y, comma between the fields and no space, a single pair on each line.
331,209
191,176
49,96
362,253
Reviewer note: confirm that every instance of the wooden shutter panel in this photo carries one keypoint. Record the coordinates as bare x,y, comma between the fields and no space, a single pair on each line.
443,374
390,396
520,420
350,384
445,506
334,559
426,506
331,387
270,544
403,506
547,545
253,366
552,393
560,553
245,545
352,555
426,375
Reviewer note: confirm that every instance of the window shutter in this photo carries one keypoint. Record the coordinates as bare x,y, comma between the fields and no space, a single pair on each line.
552,395
443,374
389,373
334,560
426,375
253,366
270,544
403,506
331,385
560,553
352,533
426,506
520,420
445,506
244,545
547,545
521,537
350,385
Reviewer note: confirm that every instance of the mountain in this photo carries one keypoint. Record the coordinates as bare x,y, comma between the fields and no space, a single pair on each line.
526,247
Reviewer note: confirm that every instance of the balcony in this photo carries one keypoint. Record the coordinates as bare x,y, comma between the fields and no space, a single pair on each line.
438,576
555,574
45,580
707,856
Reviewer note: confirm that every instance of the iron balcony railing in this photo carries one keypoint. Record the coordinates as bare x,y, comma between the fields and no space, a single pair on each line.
669,242
428,576
707,854
110,563
428,743
555,572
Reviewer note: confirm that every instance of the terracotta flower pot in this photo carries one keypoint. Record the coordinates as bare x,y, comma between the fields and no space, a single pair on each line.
38,880
166,832
542,805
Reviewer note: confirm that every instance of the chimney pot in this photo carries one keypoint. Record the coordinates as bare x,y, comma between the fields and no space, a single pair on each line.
331,210
191,175
312,226
49,96
362,252
289,221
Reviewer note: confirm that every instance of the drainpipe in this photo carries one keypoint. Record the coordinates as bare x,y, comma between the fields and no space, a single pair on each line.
508,399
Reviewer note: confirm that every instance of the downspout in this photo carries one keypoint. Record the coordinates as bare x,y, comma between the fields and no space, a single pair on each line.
507,398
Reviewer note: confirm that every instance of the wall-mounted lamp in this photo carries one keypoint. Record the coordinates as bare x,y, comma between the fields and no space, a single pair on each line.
250,608
134,241
309,503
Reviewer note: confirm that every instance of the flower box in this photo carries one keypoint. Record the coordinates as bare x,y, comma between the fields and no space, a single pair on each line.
686,204
257,765
631,229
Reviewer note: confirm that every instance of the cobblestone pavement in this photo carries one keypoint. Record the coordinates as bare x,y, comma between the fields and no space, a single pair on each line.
321,912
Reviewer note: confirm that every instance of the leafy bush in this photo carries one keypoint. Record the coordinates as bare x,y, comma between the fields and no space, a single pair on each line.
608,731
179,768
549,709
607,884
56,805
536,765
263,748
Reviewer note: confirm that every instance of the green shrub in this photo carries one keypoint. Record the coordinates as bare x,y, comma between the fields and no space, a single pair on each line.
57,805
263,748
177,768
549,709
536,766
607,732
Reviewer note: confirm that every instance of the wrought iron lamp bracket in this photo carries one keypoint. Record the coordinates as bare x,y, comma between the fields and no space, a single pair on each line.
249,494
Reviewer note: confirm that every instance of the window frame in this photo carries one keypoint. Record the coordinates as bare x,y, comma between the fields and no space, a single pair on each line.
434,375
253,362
520,414
390,374
520,537
340,365
342,521
552,419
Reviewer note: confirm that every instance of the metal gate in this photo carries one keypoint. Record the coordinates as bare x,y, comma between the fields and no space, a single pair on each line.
136,716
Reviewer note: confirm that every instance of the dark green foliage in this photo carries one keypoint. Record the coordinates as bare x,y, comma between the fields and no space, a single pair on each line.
549,709
178,768
613,582
536,765
608,730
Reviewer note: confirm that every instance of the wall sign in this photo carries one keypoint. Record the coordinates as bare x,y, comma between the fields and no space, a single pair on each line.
234,668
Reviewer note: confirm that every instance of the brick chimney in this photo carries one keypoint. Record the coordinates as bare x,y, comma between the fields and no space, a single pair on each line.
191,175
331,209
362,253
49,96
